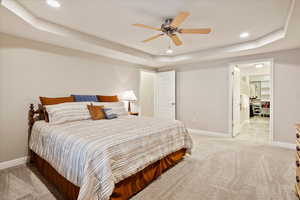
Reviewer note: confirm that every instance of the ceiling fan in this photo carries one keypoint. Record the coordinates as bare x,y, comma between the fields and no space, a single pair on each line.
171,26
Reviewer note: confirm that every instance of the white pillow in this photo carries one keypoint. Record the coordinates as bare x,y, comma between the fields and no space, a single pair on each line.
67,112
117,107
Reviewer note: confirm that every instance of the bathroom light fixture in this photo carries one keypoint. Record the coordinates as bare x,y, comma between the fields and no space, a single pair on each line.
244,35
53,3
259,65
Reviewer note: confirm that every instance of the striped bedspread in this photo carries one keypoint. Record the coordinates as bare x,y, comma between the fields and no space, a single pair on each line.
95,155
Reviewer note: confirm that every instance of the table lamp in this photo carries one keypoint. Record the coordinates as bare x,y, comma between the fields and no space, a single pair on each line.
130,97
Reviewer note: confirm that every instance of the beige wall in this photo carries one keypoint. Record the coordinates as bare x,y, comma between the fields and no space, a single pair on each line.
203,101
147,90
286,95
202,98
29,69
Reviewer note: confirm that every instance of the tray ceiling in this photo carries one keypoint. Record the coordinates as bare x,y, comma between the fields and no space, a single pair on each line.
104,27
112,20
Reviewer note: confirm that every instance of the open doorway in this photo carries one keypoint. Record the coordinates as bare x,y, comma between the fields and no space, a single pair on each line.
252,100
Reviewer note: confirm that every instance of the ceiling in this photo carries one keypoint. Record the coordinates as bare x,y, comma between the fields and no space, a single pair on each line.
250,69
112,20
104,27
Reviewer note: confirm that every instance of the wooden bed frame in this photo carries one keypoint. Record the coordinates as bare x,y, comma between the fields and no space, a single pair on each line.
122,191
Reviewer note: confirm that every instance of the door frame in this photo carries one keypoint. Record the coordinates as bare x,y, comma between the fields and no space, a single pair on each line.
230,92
232,73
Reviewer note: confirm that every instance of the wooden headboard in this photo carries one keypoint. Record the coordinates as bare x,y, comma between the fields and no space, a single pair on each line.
33,116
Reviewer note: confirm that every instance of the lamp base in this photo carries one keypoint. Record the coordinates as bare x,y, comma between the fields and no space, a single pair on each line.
129,107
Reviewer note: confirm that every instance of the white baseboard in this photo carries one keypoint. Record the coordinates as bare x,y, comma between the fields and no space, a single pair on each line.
217,134
208,133
284,145
12,163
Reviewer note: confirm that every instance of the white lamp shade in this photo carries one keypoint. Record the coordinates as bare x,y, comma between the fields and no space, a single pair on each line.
128,96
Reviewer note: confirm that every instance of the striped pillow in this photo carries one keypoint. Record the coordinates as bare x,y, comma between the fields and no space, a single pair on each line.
68,112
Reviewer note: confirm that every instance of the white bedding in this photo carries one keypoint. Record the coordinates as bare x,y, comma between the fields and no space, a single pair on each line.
95,155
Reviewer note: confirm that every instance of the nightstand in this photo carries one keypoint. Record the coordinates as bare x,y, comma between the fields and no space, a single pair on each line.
134,113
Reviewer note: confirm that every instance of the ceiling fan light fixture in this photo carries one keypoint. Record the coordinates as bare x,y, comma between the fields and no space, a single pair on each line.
53,3
171,28
169,51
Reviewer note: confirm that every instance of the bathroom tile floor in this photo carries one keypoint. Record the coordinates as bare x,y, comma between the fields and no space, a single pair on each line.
257,130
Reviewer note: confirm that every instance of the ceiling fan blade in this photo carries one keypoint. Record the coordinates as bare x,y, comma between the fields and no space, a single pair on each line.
179,19
145,26
195,31
176,40
154,37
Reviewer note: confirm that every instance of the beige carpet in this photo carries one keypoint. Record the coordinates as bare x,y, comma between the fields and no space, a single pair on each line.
227,169
219,169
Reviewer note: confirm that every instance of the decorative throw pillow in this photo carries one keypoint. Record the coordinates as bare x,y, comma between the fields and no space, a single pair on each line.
67,112
52,101
96,112
117,107
81,98
108,98
109,113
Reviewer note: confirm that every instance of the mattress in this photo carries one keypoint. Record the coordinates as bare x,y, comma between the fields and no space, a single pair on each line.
95,155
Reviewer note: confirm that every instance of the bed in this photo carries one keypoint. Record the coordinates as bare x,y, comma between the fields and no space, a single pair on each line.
105,159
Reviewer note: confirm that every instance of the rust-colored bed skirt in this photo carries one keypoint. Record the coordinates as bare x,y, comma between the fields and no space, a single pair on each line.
123,190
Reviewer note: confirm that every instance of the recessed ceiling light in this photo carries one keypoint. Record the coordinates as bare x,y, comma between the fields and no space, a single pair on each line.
259,65
169,51
244,35
53,3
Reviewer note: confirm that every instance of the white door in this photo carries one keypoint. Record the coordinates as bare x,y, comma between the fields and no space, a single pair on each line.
236,101
166,100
